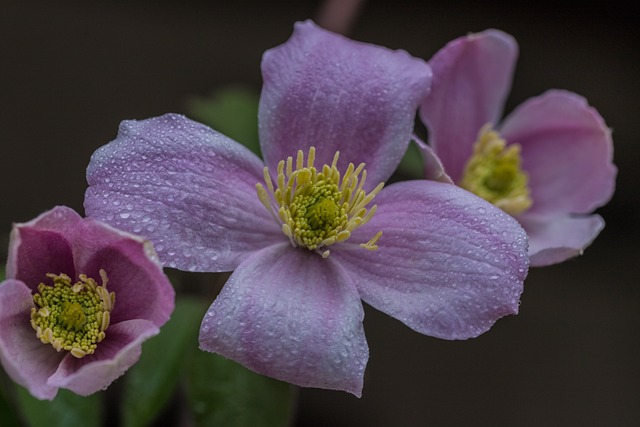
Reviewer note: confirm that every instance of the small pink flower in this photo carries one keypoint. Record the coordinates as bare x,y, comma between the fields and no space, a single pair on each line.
555,165
79,299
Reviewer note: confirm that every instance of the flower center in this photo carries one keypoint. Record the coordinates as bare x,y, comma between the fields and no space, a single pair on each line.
72,317
494,172
319,208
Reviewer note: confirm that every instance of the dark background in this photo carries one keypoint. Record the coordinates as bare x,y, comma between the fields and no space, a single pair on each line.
70,71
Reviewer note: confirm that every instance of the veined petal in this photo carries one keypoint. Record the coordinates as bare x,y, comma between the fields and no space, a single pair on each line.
134,272
336,94
42,246
186,187
566,150
290,314
471,80
23,356
113,357
448,264
555,240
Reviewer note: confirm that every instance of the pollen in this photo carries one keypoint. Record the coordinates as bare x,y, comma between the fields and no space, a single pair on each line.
495,173
318,208
72,316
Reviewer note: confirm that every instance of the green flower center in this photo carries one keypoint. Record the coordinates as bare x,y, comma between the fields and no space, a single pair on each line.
494,172
319,208
72,317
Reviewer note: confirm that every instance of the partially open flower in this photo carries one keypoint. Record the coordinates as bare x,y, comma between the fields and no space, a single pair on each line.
548,163
79,299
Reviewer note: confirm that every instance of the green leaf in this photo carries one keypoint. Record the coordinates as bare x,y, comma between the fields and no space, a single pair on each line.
8,417
2,274
67,409
232,111
151,382
8,411
411,166
223,393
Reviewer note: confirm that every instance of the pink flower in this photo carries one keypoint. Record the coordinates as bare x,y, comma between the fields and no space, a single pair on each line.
79,299
549,163
300,229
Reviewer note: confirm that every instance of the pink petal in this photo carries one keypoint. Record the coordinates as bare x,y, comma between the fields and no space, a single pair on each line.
290,314
117,353
449,264
433,167
557,239
471,80
42,246
186,187
325,90
135,276
28,361
567,151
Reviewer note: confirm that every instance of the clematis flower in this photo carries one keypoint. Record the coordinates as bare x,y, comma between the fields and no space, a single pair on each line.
549,163
301,230
79,299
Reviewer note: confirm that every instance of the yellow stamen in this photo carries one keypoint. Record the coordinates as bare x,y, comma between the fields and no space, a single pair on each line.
318,209
72,316
494,172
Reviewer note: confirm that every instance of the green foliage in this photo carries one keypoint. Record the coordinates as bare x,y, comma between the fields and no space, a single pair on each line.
151,382
67,409
232,111
8,411
411,166
223,393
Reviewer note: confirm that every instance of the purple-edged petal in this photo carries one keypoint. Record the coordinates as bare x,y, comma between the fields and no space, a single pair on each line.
471,80
186,187
290,314
448,264
336,94
23,356
566,150
117,353
135,276
555,240
42,246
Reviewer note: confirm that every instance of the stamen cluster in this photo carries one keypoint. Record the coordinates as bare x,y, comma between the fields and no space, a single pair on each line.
72,317
319,208
494,172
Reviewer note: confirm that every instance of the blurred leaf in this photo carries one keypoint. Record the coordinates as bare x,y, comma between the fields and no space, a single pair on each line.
232,111
151,382
2,274
67,409
8,417
411,166
222,393
8,411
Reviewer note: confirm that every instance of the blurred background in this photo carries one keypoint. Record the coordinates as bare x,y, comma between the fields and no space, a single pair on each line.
72,70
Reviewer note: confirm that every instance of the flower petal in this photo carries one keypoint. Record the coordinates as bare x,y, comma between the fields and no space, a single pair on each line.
290,314
566,150
471,80
27,360
448,264
42,246
117,353
555,240
188,188
134,272
336,94
433,167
